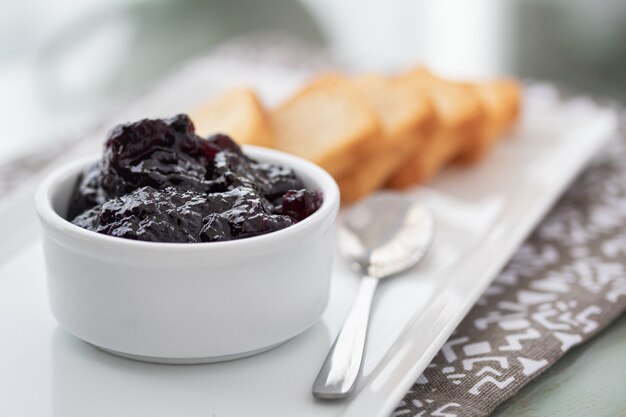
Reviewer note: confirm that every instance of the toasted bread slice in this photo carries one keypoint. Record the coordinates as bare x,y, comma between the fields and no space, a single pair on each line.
458,118
327,122
405,119
503,99
400,112
239,114
501,102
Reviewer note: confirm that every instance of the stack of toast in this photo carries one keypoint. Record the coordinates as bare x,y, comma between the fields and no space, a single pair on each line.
371,131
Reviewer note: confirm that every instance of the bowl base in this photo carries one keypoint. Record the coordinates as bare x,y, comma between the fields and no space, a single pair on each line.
187,361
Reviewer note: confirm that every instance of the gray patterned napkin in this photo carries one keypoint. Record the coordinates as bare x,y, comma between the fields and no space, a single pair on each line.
564,285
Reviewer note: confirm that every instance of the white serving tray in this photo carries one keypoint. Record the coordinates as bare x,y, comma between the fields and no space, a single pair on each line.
482,214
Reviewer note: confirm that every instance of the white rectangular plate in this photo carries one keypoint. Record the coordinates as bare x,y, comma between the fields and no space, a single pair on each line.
482,215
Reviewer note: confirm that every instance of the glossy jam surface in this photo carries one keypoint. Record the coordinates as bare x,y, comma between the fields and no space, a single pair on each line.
159,181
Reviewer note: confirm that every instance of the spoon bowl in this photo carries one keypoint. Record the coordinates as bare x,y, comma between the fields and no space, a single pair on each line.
386,234
382,236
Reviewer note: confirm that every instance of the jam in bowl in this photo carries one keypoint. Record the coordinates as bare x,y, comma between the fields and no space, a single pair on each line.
159,181
219,297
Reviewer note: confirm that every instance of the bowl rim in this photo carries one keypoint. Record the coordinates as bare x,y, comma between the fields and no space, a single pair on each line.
322,179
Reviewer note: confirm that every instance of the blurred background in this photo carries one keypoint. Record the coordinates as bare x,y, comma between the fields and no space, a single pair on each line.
64,64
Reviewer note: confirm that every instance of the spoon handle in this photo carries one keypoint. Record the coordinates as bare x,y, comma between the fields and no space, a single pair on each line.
341,368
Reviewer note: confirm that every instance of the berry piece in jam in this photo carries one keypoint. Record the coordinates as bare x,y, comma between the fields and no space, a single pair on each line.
149,215
300,204
156,153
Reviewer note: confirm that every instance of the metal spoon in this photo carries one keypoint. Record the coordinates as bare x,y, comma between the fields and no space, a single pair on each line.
381,236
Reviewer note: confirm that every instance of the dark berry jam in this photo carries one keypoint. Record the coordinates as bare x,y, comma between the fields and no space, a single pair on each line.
158,181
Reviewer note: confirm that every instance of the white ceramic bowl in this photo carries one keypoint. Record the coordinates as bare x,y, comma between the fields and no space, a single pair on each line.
188,303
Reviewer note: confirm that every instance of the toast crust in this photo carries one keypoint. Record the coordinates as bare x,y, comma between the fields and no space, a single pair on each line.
500,100
406,120
374,172
458,117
